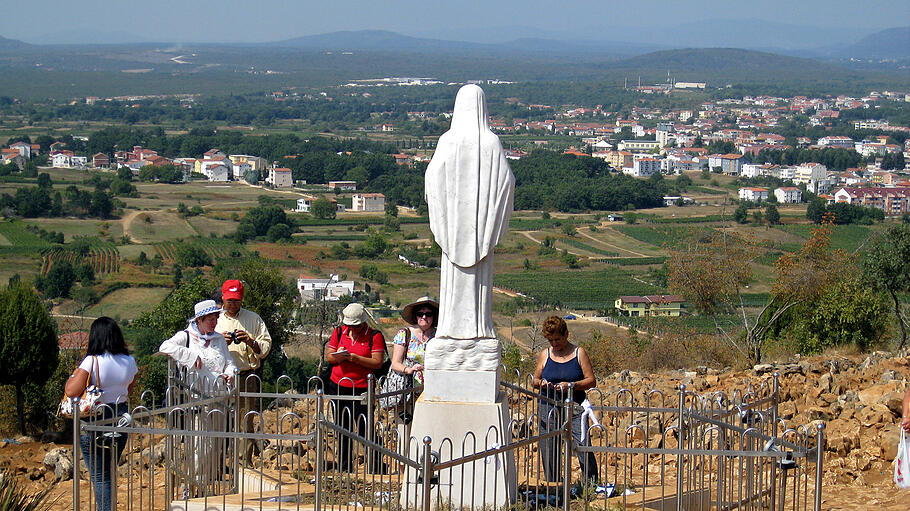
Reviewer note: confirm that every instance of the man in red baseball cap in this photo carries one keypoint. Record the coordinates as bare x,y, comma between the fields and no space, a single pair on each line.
249,343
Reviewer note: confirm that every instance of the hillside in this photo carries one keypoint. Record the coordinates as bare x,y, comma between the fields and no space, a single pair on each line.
12,44
893,43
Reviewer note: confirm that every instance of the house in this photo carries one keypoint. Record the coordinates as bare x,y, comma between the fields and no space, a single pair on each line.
78,161
788,195
213,154
343,185
304,203
729,164
330,289
753,194
219,173
654,305
205,165
62,159
280,177
615,217
810,174
239,170
101,161
638,145
368,202
836,141
13,157
894,201
618,159
24,148
255,162
643,167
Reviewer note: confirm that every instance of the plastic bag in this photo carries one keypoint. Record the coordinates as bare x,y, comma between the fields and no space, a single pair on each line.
902,462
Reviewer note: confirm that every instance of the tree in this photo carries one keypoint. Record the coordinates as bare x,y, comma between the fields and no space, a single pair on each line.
192,256
741,215
887,267
322,208
278,232
59,280
816,210
772,215
28,343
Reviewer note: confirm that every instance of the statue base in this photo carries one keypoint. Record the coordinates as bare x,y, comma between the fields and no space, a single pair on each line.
442,385
488,482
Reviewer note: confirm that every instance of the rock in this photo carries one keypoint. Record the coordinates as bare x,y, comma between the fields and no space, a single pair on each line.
153,455
874,393
786,410
701,370
824,382
894,401
888,376
888,439
843,436
818,413
60,460
874,415
760,369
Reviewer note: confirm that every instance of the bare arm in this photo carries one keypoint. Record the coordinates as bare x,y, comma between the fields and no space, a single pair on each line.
398,352
905,421
588,382
536,381
75,385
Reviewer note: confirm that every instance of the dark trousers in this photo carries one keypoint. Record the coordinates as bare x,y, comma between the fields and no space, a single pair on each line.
101,455
551,419
351,415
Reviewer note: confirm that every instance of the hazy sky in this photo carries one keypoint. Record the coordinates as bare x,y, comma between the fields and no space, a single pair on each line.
270,20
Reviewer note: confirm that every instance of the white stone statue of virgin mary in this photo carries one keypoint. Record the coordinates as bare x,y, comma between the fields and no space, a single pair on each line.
469,191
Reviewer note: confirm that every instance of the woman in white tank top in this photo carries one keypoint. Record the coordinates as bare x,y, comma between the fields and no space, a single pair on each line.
108,364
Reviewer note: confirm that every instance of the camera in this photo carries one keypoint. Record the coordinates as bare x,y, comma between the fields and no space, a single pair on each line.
233,336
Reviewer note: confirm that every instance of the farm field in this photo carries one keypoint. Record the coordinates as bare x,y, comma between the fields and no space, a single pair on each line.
161,226
843,237
578,289
73,227
206,226
128,303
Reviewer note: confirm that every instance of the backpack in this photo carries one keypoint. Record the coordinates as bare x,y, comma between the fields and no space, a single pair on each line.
383,370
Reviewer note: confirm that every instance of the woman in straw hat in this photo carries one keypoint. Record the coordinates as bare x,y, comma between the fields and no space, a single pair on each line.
410,345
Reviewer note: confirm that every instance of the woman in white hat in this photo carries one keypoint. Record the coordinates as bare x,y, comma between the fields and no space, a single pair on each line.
200,349
203,352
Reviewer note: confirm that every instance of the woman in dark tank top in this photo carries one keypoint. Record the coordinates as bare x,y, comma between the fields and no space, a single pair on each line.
560,367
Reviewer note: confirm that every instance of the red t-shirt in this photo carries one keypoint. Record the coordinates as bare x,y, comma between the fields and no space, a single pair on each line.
360,346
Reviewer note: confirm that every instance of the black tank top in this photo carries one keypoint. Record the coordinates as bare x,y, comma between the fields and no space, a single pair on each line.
559,372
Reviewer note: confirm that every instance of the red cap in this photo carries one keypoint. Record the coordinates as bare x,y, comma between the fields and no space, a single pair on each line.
232,290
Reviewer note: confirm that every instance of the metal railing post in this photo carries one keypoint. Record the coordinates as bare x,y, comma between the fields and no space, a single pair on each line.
681,445
319,449
370,422
819,460
774,390
428,470
239,416
567,408
76,447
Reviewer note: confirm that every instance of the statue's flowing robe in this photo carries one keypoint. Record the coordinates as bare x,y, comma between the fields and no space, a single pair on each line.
469,190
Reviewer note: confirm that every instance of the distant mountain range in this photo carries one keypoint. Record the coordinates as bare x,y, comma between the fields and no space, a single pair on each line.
893,43
12,44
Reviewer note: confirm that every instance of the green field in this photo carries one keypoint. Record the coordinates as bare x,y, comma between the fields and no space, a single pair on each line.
73,227
663,235
577,289
128,303
843,237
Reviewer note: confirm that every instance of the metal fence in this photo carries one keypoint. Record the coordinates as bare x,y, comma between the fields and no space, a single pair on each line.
297,447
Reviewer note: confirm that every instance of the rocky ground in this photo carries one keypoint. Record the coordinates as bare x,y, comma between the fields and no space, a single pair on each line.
858,397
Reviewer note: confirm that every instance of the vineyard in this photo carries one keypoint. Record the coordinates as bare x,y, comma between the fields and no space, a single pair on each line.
18,236
663,235
588,248
217,248
576,289
102,258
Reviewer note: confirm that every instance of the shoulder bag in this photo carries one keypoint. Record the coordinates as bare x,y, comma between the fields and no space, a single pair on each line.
394,382
88,402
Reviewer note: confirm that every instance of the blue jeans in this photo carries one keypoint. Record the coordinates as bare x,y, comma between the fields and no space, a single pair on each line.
101,456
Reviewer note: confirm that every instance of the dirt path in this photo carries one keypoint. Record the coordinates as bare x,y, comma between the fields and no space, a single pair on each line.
586,235
127,222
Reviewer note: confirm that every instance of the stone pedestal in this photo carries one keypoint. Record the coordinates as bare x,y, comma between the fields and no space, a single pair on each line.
488,482
441,385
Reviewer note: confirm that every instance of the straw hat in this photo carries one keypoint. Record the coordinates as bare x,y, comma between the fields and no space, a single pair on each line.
408,311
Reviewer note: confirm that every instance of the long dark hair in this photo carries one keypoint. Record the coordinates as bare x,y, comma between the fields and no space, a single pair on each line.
105,336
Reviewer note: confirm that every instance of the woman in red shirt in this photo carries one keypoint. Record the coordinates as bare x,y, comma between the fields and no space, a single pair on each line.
355,350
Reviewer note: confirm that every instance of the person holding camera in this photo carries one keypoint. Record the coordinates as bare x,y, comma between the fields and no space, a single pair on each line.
249,343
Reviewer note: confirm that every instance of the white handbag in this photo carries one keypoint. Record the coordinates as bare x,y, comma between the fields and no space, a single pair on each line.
902,461
88,402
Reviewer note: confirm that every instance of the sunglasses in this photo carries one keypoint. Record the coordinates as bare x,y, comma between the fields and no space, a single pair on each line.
424,314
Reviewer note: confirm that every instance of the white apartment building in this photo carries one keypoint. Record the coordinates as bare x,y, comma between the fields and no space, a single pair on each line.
637,145
368,202
836,141
280,177
753,194
810,174
330,289
643,167
788,195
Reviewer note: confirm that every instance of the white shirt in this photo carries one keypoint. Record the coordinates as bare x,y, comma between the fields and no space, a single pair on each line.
211,349
116,372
